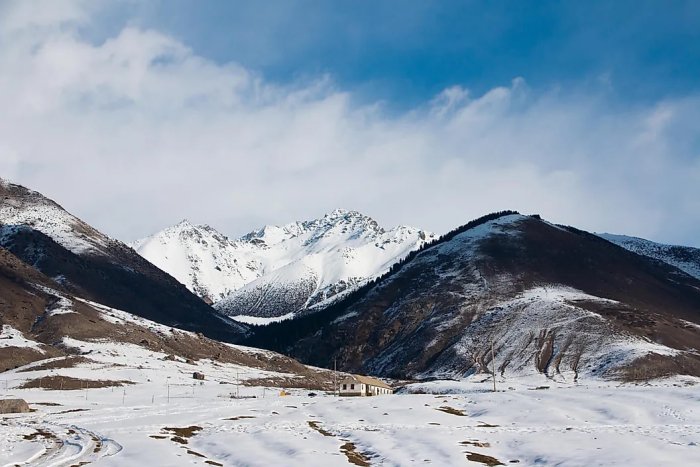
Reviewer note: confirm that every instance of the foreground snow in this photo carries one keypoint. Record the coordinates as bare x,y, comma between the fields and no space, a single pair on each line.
595,424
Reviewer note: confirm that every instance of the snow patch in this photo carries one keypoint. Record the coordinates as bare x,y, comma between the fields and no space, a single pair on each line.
255,320
11,337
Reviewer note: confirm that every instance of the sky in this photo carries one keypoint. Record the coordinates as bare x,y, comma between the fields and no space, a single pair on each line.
136,115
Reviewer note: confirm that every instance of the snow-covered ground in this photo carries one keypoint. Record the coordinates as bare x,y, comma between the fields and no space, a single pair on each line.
533,421
11,337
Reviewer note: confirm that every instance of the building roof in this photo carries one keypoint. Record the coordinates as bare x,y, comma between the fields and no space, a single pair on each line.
369,380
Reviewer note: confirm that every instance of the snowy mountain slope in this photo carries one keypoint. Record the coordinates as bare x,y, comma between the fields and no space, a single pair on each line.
40,320
21,207
279,270
685,258
552,300
88,264
204,260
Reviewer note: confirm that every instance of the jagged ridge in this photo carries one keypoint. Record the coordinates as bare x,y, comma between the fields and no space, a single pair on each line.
280,270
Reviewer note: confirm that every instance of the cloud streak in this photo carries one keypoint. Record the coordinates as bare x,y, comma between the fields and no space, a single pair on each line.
138,131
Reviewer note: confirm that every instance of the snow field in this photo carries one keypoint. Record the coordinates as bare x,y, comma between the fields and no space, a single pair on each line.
531,419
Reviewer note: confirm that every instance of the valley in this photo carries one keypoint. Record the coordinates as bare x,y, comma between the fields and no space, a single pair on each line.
592,344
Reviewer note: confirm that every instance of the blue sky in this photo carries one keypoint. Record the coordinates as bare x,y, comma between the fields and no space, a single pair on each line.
407,51
244,113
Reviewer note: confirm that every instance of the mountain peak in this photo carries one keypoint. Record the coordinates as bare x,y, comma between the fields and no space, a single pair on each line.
340,213
184,223
188,228
328,256
21,206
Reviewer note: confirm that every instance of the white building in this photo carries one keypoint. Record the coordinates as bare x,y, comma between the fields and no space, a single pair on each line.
358,385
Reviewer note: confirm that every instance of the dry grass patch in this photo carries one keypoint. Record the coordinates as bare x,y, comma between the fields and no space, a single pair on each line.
71,411
67,383
181,435
451,411
483,459
195,453
354,457
240,417
316,382
40,433
314,425
476,443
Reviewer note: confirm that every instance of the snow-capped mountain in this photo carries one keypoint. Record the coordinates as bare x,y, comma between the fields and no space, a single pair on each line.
204,260
539,297
90,265
23,208
277,271
685,258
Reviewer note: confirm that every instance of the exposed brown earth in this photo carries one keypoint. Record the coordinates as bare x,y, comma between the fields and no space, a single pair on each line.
354,457
15,357
320,381
451,411
478,444
657,366
314,425
40,433
483,459
66,383
240,417
184,432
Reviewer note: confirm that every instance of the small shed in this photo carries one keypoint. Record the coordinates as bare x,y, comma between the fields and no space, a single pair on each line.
359,385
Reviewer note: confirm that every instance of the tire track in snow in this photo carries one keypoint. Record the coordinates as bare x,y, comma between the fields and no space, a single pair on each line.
63,445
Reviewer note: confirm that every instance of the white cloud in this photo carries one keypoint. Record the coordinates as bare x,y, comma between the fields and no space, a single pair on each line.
137,132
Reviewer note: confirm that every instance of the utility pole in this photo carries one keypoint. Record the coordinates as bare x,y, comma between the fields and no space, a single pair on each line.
493,361
236,385
335,376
